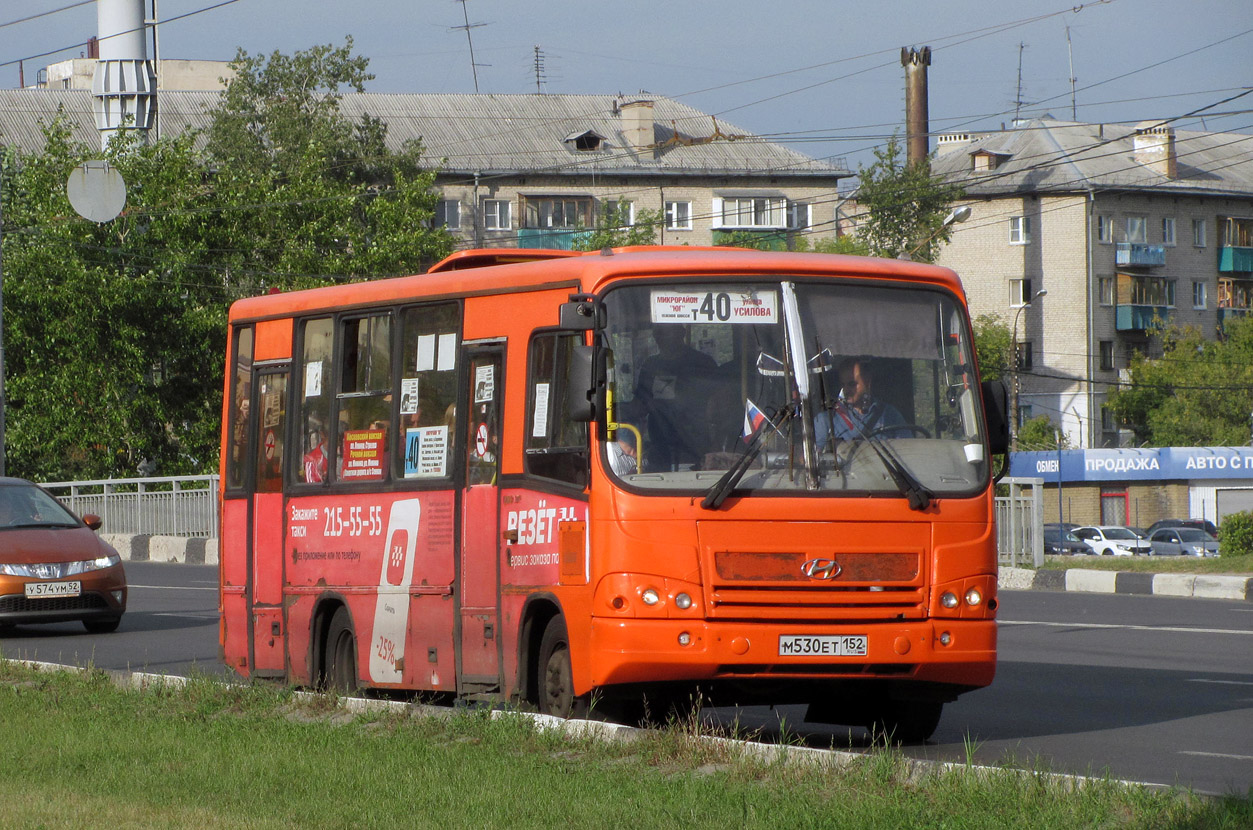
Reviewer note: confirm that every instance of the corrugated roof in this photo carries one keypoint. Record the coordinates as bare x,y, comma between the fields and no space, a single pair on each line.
479,133
1047,155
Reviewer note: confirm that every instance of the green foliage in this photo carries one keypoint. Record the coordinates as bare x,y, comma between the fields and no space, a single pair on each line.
1235,536
115,333
1198,393
994,346
905,206
1040,433
617,231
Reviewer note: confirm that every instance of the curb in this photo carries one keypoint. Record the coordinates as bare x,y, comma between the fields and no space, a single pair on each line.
1197,586
141,547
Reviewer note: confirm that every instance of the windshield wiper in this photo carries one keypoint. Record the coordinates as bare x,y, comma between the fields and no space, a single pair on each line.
920,498
723,487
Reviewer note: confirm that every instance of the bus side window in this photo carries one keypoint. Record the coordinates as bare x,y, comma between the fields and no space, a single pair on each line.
556,447
314,402
237,456
365,398
430,341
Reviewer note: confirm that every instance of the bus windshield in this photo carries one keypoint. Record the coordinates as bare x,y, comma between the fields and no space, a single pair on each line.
793,385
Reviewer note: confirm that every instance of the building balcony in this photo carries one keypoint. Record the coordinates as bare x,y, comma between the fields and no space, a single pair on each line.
1235,259
1225,314
1134,254
1141,317
558,239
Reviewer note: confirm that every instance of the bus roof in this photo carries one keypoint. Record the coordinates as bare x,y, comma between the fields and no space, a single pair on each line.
491,271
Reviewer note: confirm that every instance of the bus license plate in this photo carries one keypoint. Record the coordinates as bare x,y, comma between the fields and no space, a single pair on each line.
801,645
54,589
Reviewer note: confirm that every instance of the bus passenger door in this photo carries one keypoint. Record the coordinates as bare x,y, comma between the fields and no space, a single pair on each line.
265,537
479,665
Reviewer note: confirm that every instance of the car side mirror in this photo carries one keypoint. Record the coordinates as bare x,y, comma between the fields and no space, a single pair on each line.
92,521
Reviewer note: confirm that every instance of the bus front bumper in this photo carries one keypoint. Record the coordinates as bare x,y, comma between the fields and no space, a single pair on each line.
957,652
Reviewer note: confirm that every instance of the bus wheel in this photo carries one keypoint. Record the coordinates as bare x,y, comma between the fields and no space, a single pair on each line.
340,654
556,678
905,721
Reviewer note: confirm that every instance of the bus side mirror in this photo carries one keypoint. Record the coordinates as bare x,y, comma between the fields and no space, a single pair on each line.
579,314
580,386
996,415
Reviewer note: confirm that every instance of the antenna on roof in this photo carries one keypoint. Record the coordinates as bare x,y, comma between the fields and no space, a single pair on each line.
474,67
1070,52
1018,102
539,71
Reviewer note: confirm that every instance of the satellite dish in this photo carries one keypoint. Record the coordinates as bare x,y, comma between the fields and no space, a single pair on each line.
96,190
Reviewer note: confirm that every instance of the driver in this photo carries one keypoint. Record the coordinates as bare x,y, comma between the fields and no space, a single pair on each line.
857,411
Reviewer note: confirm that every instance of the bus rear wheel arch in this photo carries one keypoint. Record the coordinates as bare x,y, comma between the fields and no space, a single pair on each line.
339,654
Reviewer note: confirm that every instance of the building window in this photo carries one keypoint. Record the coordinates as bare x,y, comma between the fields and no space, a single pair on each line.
497,215
1152,291
1198,294
1137,229
1107,355
1168,231
565,212
448,214
1019,292
1104,229
751,211
798,215
678,216
1198,233
619,213
1019,230
1105,290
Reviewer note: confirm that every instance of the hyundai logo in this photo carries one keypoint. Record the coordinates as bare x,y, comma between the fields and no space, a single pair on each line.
821,569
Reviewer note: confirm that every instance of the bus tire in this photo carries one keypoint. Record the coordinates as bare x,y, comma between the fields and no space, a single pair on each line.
556,677
905,721
339,660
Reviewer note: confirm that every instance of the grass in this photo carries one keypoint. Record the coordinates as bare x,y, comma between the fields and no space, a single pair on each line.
211,755
1237,565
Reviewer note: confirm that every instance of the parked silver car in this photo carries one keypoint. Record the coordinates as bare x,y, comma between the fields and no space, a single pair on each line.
1112,539
1182,541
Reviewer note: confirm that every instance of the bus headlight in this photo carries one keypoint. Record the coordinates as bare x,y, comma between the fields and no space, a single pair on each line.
948,599
974,596
650,596
683,602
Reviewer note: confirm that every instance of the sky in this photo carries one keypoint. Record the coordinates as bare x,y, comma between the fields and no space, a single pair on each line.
820,76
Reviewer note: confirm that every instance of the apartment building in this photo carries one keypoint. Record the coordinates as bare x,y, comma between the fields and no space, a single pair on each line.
1125,227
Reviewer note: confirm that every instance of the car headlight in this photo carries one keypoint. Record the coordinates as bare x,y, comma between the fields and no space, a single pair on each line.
97,564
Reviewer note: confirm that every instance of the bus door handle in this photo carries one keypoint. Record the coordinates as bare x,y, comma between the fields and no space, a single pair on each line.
510,536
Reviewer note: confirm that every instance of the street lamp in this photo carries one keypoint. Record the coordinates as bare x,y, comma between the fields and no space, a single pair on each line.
957,214
1013,403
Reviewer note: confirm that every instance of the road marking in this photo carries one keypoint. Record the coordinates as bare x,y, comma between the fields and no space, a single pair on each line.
1129,627
171,587
1221,682
1218,755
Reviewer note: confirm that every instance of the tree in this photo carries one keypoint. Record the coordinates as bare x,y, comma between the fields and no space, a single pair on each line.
904,206
1198,393
993,346
1040,433
616,230
115,332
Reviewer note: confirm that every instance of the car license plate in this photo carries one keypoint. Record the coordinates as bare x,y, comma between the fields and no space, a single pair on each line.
54,589
803,645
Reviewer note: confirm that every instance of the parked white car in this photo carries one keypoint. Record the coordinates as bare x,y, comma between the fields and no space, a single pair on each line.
1112,539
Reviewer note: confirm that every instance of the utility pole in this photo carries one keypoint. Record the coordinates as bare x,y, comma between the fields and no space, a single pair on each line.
474,67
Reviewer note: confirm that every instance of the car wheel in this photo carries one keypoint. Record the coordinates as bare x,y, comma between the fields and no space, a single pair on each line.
105,626
340,655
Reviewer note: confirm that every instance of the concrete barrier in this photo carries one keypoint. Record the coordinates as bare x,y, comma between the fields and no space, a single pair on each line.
1201,586
138,547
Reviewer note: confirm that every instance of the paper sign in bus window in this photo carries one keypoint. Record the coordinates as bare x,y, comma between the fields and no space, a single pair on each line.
409,396
539,426
484,383
731,306
313,379
447,353
426,452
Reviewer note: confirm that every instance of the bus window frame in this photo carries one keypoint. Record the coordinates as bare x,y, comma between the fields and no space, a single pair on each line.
536,481
246,473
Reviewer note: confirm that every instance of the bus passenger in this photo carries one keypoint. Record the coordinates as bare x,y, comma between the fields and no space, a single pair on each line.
622,453
668,388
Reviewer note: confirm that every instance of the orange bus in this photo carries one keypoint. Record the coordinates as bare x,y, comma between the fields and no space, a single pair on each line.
547,478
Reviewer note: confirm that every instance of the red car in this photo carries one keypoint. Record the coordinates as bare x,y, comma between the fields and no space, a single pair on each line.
53,567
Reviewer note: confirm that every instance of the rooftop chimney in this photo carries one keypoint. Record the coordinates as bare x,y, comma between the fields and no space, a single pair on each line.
125,84
637,124
1155,148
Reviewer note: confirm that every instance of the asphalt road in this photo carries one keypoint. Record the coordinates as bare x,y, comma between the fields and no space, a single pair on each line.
1150,689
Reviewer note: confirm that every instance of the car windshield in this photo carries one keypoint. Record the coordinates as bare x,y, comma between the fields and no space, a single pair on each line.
25,505
1191,534
843,388
1119,533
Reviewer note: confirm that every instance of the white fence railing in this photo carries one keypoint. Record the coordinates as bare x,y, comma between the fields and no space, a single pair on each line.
178,506
1020,523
